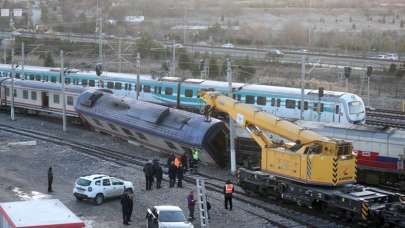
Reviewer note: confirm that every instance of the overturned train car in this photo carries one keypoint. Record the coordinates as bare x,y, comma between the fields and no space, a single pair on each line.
155,126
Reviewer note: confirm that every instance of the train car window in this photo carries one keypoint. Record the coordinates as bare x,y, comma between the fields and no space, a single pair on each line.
25,94
290,104
239,97
67,80
84,82
129,86
32,77
168,91
278,102
234,96
112,126
273,102
146,89
101,83
118,85
188,93
70,100
15,93
7,92
53,79
110,85
126,86
97,122
261,100
56,98
159,90
316,107
17,75
92,83
75,81
305,105
171,145
128,132
337,109
249,99
155,89
33,95
45,78
141,136
38,77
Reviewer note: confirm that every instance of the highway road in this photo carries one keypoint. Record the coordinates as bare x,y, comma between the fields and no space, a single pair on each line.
318,59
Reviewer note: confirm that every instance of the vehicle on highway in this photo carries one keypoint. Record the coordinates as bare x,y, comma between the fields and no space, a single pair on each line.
388,56
228,45
166,216
274,53
99,187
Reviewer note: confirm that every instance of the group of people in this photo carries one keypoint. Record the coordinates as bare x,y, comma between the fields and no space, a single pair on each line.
153,171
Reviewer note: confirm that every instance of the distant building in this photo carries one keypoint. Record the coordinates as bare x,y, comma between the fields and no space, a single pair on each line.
134,19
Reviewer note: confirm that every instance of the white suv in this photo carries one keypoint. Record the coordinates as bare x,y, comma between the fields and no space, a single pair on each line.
98,187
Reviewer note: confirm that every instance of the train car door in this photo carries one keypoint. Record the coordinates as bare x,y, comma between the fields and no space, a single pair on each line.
45,99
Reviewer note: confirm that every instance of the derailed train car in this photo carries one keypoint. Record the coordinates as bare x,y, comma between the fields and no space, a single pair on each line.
155,126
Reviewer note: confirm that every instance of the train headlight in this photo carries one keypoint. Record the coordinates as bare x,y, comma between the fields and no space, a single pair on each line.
343,157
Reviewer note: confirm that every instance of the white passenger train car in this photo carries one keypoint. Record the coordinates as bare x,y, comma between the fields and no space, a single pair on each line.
36,96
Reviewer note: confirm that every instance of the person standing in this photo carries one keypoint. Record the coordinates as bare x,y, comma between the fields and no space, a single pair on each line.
130,204
125,204
157,172
180,176
170,159
50,179
228,190
172,174
191,205
148,171
194,160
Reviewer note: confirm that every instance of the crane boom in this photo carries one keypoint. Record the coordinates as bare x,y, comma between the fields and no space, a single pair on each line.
314,159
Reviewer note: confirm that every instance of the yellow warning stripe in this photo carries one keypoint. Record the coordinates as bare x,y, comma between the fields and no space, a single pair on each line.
364,210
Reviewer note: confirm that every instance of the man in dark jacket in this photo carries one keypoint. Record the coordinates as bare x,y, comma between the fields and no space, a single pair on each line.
180,176
50,179
172,174
125,203
170,159
130,204
148,171
157,172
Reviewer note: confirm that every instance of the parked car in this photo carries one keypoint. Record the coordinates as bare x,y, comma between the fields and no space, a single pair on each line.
98,187
392,56
275,53
228,45
166,216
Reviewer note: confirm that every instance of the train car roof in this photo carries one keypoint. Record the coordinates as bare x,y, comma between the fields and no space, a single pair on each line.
289,90
220,84
105,75
43,85
146,117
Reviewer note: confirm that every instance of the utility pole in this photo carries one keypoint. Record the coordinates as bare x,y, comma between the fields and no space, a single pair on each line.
100,31
302,86
231,127
174,59
12,83
62,76
22,60
138,80
119,55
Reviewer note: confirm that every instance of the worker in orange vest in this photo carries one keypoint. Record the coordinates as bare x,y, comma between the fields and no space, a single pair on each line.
228,190
177,162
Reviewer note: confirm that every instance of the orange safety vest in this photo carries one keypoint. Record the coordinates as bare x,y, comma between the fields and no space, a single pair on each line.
177,162
228,188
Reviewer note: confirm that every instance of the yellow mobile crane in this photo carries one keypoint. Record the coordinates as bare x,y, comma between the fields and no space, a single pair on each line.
312,160
316,172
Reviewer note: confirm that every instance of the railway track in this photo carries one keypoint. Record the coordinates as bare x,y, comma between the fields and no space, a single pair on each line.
277,214
387,118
